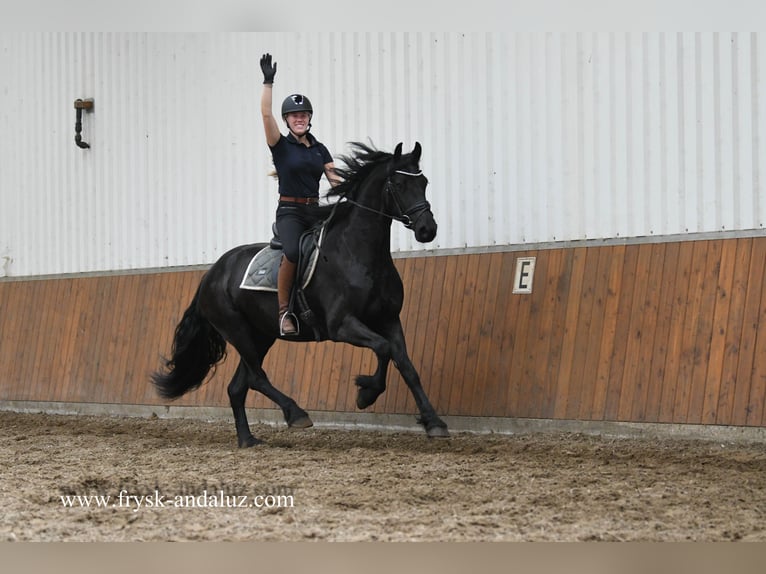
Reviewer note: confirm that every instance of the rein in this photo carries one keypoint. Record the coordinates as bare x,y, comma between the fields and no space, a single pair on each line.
404,217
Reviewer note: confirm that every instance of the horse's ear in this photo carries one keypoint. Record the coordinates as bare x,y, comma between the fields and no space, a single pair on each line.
398,151
416,152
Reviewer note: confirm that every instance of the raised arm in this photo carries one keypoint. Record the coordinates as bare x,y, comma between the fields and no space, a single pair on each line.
270,126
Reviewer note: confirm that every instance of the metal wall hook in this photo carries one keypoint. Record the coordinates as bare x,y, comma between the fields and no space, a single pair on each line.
79,106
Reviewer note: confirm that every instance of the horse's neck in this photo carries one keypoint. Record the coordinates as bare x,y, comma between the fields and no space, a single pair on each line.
365,223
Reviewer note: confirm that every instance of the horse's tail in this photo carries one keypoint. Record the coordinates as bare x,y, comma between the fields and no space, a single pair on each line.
197,347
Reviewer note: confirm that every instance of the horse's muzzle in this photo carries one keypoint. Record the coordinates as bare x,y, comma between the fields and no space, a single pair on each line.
425,227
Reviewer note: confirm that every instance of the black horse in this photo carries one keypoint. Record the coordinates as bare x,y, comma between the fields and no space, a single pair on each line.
355,294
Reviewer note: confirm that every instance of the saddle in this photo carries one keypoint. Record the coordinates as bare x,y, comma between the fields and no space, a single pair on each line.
261,273
263,269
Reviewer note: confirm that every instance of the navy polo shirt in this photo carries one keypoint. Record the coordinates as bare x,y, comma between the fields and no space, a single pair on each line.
299,167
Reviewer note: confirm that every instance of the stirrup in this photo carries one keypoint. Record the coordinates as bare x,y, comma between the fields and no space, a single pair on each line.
294,319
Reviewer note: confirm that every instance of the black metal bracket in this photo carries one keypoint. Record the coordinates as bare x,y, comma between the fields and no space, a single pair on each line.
79,106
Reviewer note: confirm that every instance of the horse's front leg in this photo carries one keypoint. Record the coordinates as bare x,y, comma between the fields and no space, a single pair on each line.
353,331
372,386
435,426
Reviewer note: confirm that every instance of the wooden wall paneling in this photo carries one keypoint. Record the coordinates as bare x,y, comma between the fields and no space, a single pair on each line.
476,326
112,377
495,382
341,353
420,345
466,333
486,355
578,333
690,350
627,288
22,335
734,328
44,351
135,365
551,400
678,328
755,407
61,336
31,343
634,379
606,347
700,357
162,335
648,333
455,332
530,353
416,295
428,342
717,347
593,337
72,357
8,309
441,342
514,359
664,280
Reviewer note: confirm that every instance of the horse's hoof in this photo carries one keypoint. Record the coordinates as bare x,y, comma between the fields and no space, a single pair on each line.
301,423
250,441
366,397
437,432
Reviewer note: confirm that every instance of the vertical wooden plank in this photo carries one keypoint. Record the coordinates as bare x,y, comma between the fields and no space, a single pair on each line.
677,329
486,355
734,329
496,377
466,332
595,336
703,337
619,350
419,347
453,333
569,388
634,378
755,407
13,305
8,308
445,334
475,320
720,316
689,352
428,342
667,286
606,350
547,326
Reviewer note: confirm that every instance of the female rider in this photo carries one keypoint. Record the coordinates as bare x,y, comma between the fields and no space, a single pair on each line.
300,160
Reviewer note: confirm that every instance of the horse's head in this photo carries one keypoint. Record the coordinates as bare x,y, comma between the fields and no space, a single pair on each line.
405,191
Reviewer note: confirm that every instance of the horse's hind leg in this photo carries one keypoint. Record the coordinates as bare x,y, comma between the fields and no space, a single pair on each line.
237,390
295,417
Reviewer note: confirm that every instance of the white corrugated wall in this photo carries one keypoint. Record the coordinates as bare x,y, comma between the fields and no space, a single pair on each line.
527,138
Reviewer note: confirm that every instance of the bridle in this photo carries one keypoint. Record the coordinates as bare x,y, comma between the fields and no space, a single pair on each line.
407,217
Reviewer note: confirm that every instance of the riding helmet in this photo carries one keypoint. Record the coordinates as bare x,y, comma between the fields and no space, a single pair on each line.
296,103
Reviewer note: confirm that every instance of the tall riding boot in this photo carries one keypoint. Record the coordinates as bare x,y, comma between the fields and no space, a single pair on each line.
285,280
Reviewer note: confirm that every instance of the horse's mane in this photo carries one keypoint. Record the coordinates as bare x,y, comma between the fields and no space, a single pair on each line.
358,167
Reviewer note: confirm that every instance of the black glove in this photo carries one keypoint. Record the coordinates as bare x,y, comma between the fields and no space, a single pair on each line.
268,70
